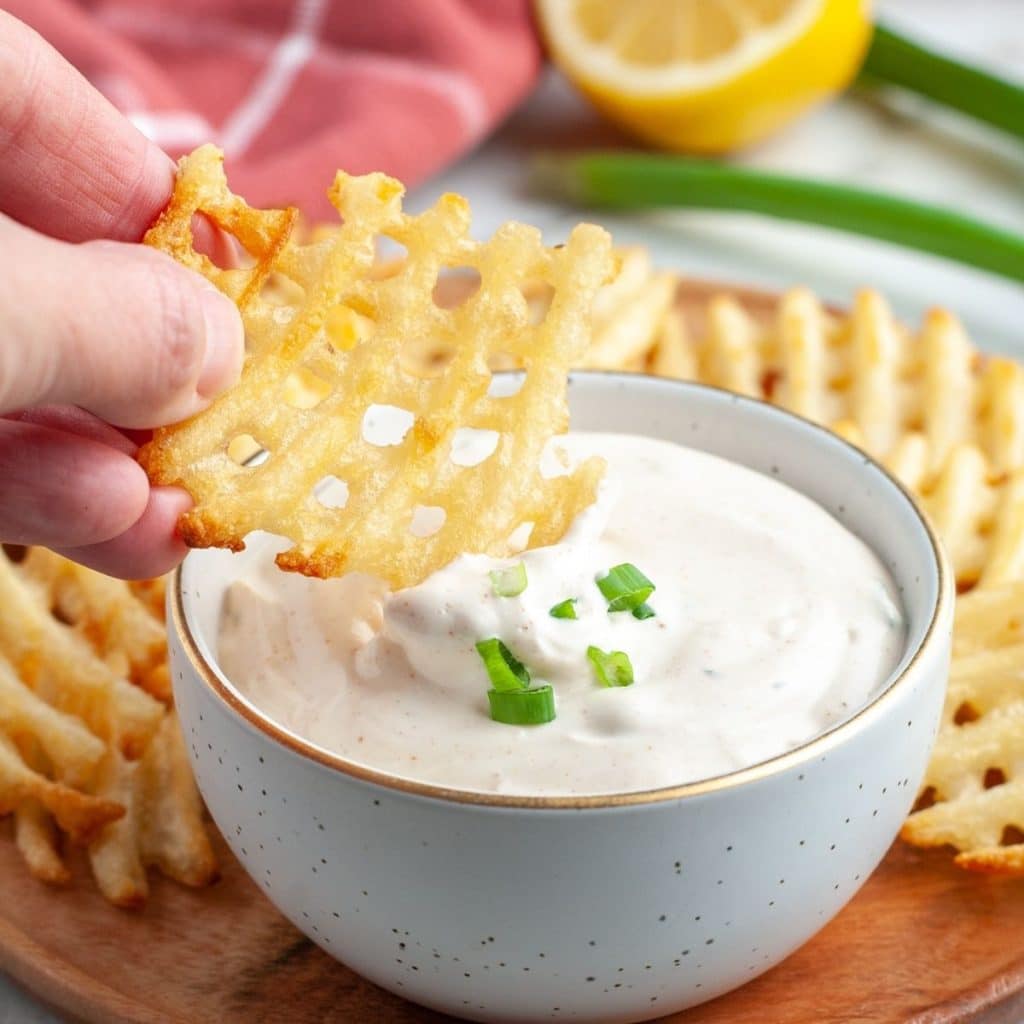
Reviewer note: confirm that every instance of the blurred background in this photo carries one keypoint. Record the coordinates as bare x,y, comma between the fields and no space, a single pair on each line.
885,139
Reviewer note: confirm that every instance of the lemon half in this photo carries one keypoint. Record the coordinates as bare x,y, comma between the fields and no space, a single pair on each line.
706,76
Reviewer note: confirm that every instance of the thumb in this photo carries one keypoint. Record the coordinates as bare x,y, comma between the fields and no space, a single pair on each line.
120,330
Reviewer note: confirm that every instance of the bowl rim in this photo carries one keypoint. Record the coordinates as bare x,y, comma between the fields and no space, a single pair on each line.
805,753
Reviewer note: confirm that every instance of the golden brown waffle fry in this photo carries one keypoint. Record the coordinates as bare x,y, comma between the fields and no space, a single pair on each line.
36,836
974,787
81,815
70,748
323,333
70,718
163,826
123,631
63,669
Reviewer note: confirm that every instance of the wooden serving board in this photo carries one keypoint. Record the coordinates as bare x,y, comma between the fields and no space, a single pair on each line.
922,942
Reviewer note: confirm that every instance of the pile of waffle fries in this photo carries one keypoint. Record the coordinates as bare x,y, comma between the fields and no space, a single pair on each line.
90,748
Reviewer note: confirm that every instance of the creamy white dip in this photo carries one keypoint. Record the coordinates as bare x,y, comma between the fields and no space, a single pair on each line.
773,624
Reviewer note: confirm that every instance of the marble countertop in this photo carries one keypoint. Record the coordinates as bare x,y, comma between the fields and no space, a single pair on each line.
902,145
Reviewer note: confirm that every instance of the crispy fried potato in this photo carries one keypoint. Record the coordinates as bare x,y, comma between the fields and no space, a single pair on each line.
322,332
63,751
79,814
975,793
71,749
63,669
37,839
120,628
163,826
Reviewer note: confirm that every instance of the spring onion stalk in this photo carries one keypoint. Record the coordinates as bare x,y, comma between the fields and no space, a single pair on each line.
625,588
612,668
505,671
523,707
893,59
509,582
564,609
644,611
638,181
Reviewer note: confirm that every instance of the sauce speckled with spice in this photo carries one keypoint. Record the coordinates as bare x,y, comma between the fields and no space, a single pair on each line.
772,624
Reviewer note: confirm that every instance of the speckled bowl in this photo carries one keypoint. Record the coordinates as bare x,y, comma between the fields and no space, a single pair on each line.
612,908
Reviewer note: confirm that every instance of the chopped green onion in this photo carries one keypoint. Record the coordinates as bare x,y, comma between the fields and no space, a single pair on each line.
506,672
522,707
644,611
564,609
509,582
612,668
625,587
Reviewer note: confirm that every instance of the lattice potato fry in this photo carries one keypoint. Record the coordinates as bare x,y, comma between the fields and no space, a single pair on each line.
484,503
36,837
121,628
58,775
62,668
163,824
71,749
627,335
262,233
79,814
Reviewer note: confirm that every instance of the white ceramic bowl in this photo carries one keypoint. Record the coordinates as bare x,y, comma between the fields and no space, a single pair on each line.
612,908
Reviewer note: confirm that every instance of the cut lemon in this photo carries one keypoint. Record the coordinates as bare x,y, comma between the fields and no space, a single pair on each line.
706,76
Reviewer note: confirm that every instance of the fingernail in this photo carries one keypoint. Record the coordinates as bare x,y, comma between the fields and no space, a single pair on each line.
225,343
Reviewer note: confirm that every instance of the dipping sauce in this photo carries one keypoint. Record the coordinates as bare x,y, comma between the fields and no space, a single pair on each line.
773,623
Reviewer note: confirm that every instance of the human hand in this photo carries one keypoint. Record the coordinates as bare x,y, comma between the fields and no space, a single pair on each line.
96,333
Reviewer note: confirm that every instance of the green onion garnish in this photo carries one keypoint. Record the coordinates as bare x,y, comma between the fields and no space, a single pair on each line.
625,588
523,707
564,609
644,611
509,582
612,668
506,672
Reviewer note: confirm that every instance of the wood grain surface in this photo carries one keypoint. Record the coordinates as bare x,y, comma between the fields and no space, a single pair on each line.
922,942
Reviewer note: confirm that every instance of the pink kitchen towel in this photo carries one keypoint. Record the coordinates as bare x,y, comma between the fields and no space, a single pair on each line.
293,89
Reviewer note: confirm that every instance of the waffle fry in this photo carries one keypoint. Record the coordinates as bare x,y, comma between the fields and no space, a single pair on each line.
126,634
974,787
85,751
63,670
323,333
159,827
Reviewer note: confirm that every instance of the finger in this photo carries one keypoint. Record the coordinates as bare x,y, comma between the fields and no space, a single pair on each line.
149,547
59,488
70,165
120,330
72,420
